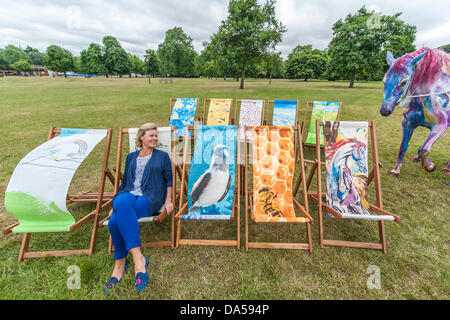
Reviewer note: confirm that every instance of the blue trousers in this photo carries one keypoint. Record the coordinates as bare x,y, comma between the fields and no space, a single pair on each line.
123,223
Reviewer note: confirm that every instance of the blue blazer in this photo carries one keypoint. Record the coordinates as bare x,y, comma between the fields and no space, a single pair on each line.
156,179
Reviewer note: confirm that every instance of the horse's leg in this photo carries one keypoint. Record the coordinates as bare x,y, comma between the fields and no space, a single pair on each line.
408,129
435,133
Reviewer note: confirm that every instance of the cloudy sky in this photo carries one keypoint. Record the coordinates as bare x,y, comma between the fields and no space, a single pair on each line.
141,24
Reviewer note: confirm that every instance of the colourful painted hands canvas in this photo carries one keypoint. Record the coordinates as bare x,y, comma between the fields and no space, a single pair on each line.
219,112
36,193
273,172
183,114
323,111
346,167
250,115
212,173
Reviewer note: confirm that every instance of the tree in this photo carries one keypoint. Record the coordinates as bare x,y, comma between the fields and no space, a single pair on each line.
137,65
271,62
36,57
59,59
151,64
92,61
13,54
304,62
249,31
115,58
357,42
21,66
176,54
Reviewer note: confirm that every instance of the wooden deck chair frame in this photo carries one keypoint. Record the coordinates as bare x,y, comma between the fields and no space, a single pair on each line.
159,218
266,121
304,210
378,208
183,206
203,118
103,201
172,102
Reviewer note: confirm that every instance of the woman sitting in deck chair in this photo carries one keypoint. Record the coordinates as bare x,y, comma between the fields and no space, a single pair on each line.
145,187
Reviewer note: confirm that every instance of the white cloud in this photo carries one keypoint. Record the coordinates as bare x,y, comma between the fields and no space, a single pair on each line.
141,25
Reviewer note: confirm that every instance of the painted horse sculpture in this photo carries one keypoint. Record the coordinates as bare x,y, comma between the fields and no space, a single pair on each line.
420,82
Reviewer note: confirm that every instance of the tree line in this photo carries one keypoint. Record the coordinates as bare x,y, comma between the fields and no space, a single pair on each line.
242,47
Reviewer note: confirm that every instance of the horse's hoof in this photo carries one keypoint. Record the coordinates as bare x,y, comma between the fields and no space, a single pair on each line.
430,168
394,174
415,159
446,170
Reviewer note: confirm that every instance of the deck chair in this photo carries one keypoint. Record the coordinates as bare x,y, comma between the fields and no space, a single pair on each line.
182,113
285,113
322,111
37,193
251,114
213,186
219,112
348,178
271,199
167,140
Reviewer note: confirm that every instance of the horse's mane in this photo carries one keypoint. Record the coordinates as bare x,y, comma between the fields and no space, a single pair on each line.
428,69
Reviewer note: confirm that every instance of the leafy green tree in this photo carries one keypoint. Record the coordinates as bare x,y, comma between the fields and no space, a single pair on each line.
137,65
176,54
357,43
21,66
36,57
3,61
115,58
151,63
92,61
271,62
445,48
12,54
304,62
249,31
59,59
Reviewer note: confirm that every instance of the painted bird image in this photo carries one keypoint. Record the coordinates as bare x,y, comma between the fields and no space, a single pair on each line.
213,185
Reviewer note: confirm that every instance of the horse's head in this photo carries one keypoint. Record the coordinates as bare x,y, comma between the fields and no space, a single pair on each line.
397,80
359,155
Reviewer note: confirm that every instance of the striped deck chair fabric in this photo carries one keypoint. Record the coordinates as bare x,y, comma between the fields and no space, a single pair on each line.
273,172
219,112
183,113
36,193
346,162
284,112
212,174
322,111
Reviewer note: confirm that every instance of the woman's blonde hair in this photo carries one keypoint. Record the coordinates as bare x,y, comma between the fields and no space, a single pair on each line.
142,130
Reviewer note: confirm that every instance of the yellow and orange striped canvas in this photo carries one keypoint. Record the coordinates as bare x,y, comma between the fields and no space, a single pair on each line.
273,173
219,112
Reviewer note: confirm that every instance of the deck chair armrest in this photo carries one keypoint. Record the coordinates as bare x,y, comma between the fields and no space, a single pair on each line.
160,218
180,212
303,211
378,210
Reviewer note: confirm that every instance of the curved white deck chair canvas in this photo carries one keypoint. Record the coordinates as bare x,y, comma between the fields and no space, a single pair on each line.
213,186
348,178
166,136
37,193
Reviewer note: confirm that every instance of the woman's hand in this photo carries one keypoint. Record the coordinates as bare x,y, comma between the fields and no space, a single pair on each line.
169,207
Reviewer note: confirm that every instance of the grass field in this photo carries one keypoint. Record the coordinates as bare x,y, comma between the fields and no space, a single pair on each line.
416,265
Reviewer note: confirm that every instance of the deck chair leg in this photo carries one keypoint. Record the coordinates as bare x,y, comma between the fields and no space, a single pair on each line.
177,243
24,246
382,233
308,230
110,245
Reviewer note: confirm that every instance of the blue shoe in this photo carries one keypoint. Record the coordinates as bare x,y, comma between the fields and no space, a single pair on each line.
141,279
113,281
